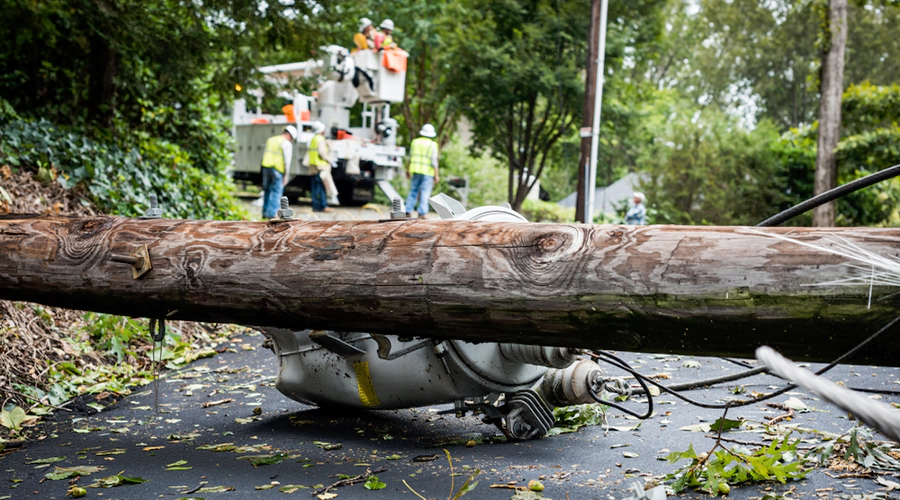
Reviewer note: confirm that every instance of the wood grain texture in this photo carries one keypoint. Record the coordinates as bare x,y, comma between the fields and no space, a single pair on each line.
689,290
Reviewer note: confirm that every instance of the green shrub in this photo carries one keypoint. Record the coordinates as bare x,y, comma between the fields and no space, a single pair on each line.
545,211
119,178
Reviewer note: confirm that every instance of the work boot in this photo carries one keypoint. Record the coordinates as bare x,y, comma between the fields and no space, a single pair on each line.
422,216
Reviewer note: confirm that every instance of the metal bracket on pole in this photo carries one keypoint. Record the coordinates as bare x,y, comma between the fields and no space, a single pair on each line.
139,260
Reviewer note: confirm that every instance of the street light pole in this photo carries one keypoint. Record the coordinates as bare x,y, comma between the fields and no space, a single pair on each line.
595,125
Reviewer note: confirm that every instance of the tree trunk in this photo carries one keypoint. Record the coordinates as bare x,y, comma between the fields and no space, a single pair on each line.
103,66
832,86
670,289
587,111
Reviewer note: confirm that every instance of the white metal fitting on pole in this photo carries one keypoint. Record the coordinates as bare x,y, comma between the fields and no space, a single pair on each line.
595,124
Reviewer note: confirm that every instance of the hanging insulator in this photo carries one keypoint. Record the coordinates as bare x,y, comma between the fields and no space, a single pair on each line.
572,385
552,357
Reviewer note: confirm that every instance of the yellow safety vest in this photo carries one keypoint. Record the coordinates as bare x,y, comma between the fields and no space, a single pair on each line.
274,156
420,152
314,158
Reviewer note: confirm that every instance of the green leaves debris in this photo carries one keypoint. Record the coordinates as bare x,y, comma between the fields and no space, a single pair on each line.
572,418
713,472
328,446
372,483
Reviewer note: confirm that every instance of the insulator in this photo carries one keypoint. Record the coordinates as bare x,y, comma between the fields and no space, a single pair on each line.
572,385
552,357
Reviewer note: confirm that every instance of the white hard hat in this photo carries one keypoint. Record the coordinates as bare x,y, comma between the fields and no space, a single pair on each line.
318,127
290,129
364,23
639,195
387,24
428,130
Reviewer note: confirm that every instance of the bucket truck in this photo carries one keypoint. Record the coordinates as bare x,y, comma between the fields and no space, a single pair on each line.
366,156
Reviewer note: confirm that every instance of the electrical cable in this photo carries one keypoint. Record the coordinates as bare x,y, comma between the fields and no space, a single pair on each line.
830,195
713,381
615,361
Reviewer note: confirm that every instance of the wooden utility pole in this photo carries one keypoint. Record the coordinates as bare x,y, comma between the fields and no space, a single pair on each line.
670,289
831,89
590,87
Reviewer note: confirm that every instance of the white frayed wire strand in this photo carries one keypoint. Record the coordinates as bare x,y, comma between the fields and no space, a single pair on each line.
871,284
888,268
878,415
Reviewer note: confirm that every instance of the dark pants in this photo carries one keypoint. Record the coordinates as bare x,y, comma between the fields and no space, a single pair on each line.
317,192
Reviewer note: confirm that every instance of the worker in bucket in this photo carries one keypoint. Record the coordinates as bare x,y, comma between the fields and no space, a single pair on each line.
319,164
364,39
276,164
422,170
384,40
637,215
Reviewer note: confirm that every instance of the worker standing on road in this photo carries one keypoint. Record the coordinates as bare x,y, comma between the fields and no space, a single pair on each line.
637,215
423,168
384,40
364,39
276,165
319,163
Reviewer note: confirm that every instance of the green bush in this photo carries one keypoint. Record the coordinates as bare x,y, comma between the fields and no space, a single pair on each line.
545,211
119,178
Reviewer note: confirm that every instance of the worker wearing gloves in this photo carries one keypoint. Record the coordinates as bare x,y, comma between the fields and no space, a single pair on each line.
422,169
364,38
319,164
637,215
276,164
384,40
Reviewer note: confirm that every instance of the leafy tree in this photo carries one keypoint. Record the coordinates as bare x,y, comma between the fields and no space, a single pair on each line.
160,67
763,58
871,142
517,76
421,30
710,170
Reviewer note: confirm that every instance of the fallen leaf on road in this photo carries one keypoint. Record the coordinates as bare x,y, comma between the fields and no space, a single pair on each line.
116,480
67,472
217,402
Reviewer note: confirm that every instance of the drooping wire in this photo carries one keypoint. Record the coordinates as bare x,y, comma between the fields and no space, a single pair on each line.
622,364
831,195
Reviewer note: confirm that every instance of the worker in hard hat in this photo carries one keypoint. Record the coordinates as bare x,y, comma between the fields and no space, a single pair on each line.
276,165
637,215
384,40
319,162
364,39
422,170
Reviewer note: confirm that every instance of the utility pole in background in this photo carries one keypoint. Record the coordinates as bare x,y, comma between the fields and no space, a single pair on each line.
587,163
830,89
587,111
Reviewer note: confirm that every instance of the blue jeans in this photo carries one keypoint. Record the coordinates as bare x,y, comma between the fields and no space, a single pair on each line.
273,188
420,187
317,193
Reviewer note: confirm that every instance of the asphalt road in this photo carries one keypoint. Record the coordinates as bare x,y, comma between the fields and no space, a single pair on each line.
128,438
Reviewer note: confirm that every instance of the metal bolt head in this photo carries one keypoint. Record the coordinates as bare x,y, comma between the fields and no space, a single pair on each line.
285,212
154,212
397,211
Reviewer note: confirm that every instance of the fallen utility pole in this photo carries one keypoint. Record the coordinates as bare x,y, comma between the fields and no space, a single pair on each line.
667,289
